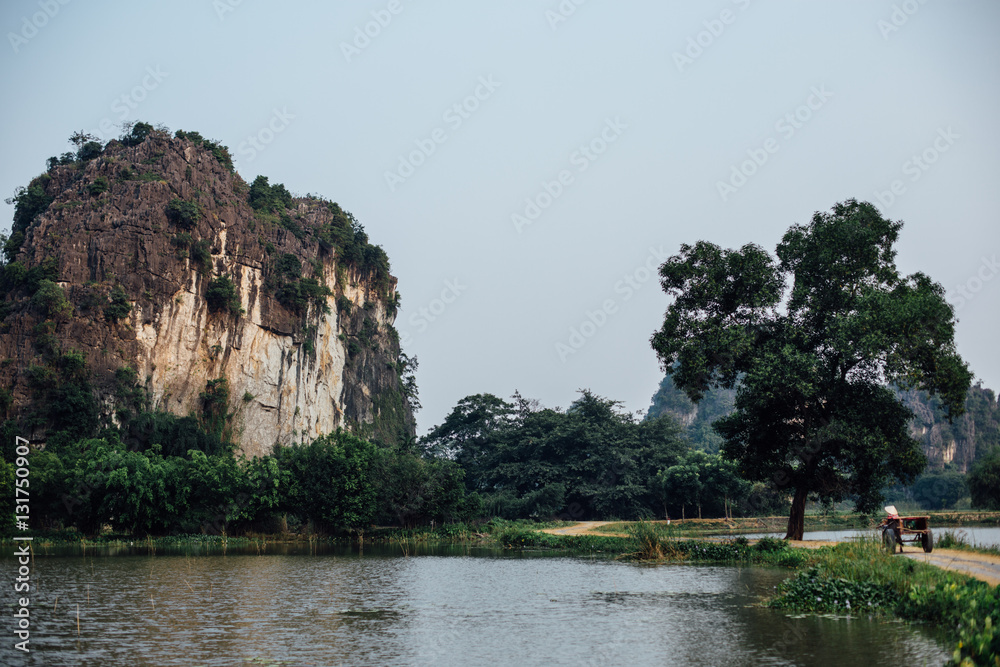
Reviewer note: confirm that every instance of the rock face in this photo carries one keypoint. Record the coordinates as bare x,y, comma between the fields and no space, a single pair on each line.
957,444
964,440
310,347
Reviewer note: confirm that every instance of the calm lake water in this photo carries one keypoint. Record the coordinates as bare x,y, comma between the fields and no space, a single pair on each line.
979,536
453,607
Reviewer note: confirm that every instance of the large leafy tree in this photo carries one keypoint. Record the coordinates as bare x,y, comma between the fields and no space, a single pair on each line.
813,338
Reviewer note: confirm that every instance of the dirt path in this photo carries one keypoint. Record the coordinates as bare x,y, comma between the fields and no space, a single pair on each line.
581,528
586,527
981,566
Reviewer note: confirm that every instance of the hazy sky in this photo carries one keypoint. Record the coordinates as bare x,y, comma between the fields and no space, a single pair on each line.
527,165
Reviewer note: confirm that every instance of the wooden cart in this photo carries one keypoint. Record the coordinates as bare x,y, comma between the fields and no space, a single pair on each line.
901,529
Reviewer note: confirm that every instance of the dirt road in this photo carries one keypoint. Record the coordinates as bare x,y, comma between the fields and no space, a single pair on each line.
981,566
577,529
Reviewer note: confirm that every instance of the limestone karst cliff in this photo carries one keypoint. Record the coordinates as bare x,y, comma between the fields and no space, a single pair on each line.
150,259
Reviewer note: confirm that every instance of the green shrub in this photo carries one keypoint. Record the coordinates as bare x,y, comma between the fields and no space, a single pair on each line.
288,266
28,203
182,240
312,290
137,134
221,154
47,269
99,186
194,137
14,274
89,151
51,300
222,296
268,198
12,245
73,363
201,256
286,221
44,338
183,213
216,395
120,307
58,161
770,544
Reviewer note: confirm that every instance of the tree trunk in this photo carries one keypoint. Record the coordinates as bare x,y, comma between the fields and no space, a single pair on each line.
797,517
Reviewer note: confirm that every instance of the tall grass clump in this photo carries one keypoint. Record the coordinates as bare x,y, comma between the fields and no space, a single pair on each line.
959,539
651,542
951,539
512,535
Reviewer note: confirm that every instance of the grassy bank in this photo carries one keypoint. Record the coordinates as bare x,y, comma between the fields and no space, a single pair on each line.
860,578
652,541
813,522
959,539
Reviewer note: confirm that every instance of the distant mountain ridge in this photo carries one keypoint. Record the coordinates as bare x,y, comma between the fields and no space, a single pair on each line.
954,446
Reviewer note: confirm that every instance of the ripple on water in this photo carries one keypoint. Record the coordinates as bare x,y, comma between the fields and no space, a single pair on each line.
454,610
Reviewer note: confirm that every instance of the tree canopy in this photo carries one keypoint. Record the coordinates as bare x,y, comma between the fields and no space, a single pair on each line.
591,460
813,337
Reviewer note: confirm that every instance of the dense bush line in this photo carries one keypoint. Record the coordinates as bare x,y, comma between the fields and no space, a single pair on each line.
337,483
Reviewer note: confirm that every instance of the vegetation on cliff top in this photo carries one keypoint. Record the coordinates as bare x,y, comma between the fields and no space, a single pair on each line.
297,273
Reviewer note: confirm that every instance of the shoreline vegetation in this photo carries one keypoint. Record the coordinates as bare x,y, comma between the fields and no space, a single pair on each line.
486,533
852,578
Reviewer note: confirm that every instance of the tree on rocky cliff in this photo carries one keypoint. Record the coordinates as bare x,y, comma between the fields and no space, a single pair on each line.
813,412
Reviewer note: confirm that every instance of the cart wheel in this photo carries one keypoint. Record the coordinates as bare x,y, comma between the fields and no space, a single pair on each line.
889,540
928,541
